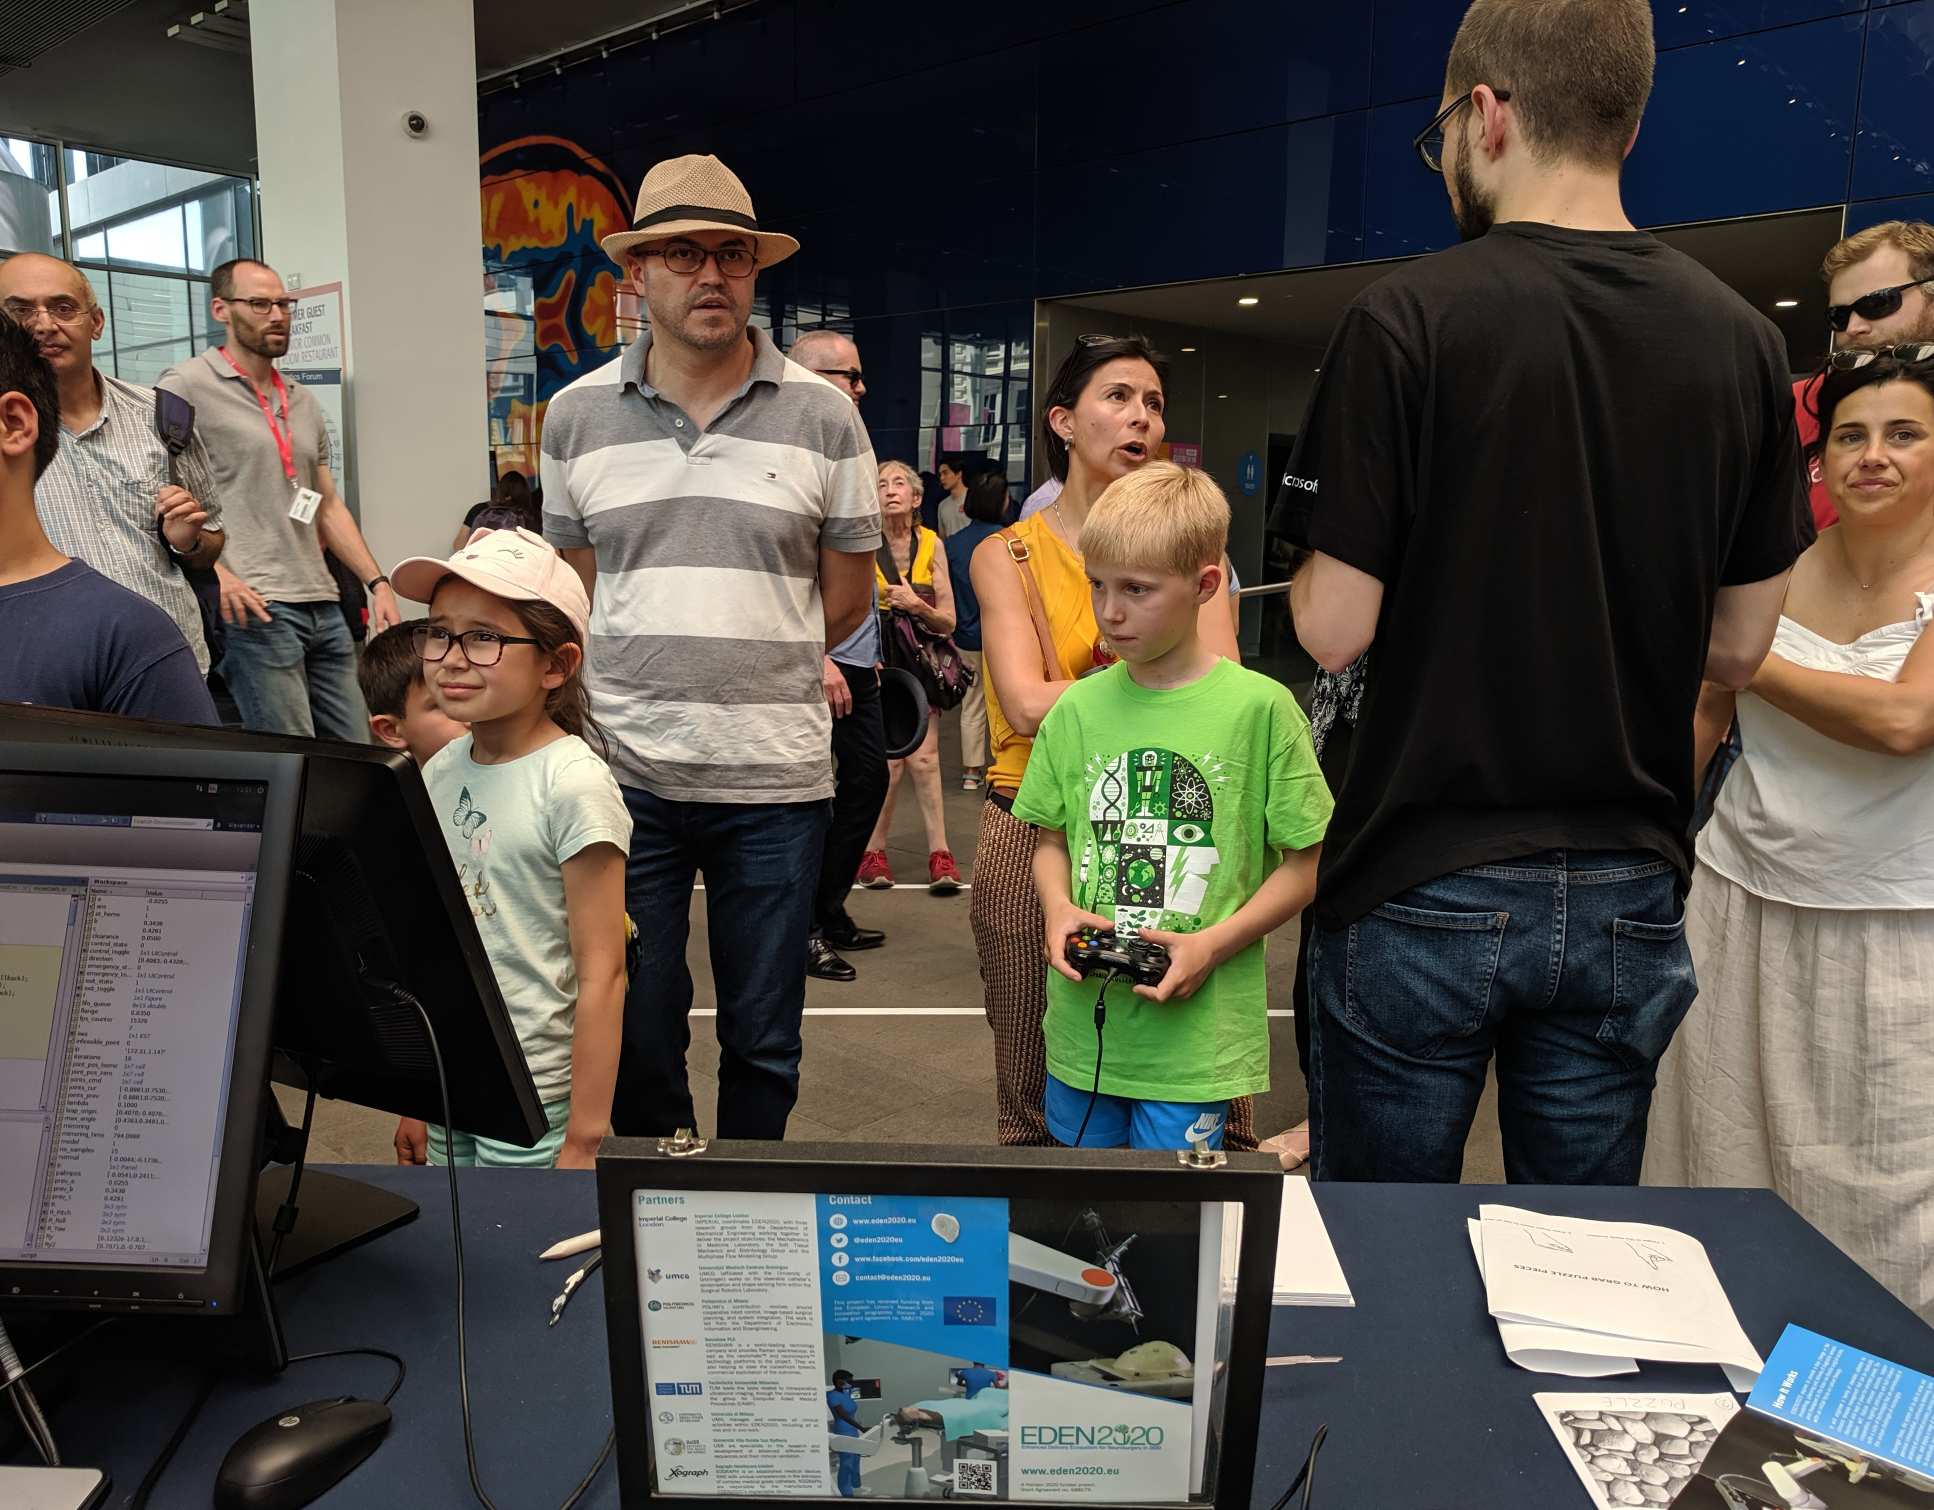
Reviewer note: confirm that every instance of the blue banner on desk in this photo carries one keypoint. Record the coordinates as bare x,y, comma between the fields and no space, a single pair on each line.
920,1273
1849,1397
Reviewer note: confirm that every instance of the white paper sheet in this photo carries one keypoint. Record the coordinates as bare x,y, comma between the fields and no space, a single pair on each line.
1588,1299
1307,1272
1635,1449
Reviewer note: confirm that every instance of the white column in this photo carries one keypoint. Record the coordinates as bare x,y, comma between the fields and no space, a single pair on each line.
351,196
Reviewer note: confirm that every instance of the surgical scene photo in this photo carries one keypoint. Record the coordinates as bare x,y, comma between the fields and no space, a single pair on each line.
907,1424
1105,1294
1762,1464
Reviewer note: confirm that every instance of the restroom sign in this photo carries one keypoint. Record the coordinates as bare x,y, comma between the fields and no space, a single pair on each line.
1249,473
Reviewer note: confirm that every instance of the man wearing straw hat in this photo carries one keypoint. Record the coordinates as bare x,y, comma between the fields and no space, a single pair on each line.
719,502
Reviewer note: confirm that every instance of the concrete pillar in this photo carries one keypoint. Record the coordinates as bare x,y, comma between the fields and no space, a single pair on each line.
352,195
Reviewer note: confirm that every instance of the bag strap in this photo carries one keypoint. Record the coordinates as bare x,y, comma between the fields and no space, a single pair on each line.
884,555
1017,552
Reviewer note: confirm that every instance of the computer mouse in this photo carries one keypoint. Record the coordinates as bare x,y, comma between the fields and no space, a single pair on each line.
291,1458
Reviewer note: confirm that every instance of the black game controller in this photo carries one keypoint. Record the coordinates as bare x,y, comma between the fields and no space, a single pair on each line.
1096,951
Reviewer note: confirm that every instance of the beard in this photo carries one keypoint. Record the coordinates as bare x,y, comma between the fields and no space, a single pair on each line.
675,317
263,343
1474,211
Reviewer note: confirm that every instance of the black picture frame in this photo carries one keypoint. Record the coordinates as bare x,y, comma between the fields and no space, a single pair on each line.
1251,1181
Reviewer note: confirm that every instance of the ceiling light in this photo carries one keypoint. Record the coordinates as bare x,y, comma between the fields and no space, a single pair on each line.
1248,299
1786,304
1188,348
1222,395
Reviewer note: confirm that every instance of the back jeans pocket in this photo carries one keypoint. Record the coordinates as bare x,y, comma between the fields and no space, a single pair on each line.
1653,987
1417,980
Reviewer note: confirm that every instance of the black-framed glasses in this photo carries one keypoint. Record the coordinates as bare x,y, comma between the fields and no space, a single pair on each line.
1877,305
852,374
288,306
481,647
1853,358
61,310
688,257
1429,142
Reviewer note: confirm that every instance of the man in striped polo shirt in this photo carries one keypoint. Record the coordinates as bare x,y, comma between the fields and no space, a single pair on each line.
719,502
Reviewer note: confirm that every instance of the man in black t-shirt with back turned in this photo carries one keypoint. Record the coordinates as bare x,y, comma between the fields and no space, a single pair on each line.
1550,481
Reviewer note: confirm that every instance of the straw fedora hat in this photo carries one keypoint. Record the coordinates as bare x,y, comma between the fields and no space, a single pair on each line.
695,193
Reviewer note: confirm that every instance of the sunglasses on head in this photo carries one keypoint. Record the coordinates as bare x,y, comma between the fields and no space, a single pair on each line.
1853,358
1877,305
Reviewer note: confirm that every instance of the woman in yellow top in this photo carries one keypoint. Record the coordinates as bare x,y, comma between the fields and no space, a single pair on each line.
921,562
1103,417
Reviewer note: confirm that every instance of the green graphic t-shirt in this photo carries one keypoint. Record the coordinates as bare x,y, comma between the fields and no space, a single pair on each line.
1177,806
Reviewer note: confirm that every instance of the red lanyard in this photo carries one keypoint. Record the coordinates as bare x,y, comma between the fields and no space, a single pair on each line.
285,437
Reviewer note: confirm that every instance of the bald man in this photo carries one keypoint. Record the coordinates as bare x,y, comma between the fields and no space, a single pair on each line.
106,498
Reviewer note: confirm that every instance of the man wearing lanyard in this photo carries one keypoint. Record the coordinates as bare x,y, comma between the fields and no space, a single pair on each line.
106,498
290,662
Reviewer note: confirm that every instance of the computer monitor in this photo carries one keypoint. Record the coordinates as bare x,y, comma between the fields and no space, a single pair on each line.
142,895
371,868
377,924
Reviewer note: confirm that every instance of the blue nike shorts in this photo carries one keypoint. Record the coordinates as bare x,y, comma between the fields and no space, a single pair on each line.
1123,1122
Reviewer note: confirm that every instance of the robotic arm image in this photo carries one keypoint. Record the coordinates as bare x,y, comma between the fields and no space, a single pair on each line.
1095,1291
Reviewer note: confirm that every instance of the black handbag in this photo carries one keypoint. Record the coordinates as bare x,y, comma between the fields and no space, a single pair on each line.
907,643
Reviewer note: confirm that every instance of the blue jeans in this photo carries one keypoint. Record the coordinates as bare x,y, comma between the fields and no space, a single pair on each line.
761,864
296,674
1571,967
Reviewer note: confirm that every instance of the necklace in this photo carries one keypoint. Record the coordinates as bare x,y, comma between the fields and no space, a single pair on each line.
1061,527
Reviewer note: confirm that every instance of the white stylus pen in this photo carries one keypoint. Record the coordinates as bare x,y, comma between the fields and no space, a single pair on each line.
572,1246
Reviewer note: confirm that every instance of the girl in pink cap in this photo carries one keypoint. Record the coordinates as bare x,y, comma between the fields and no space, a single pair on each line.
536,826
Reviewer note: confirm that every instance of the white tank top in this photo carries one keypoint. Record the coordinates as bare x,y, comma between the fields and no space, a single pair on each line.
1806,820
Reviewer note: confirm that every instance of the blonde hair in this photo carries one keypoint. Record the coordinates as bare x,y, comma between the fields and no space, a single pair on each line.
907,472
1914,237
1160,515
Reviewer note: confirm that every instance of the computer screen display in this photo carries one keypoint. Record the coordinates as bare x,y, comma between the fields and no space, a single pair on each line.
125,912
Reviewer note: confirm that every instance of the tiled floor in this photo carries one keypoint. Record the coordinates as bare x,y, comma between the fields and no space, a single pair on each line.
874,1073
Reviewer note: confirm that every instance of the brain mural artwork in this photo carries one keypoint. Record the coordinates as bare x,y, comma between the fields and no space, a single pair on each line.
546,202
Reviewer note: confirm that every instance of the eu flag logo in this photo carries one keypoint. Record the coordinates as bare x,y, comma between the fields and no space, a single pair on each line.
967,1310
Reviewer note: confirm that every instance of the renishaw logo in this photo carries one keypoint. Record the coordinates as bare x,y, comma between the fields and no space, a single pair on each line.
1133,1437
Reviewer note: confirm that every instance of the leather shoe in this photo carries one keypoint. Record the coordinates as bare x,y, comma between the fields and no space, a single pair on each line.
823,964
850,936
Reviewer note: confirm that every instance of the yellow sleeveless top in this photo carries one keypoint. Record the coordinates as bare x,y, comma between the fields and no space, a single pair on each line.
1063,580
921,574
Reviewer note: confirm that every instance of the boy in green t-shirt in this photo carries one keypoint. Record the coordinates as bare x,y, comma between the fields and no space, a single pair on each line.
1178,798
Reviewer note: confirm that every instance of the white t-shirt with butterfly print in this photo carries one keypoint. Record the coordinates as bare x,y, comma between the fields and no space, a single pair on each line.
510,828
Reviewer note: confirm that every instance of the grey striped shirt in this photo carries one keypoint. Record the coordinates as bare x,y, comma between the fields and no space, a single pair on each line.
96,502
707,627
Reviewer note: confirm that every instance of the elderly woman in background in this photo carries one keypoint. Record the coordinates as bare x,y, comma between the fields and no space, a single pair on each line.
1807,1061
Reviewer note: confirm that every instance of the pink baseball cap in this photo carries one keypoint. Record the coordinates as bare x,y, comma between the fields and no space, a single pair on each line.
514,564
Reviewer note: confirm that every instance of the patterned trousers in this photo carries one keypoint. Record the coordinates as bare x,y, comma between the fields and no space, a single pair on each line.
1008,929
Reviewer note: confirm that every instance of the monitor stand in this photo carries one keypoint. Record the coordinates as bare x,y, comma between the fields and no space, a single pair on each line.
336,1214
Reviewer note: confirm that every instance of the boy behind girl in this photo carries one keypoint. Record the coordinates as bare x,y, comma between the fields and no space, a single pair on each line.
1178,798
402,713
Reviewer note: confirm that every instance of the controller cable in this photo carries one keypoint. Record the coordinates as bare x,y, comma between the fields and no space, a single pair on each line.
463,1359
1101,1019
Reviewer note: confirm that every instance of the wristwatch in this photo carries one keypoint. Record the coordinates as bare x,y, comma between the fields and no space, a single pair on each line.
373,583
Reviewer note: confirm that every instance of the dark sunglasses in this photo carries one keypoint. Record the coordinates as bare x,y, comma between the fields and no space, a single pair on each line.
1877,305
1853,358
852,374
1429,142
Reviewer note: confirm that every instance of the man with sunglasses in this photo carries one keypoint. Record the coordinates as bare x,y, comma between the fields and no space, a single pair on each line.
1880,292
1549,480
107,497
719,502
289,662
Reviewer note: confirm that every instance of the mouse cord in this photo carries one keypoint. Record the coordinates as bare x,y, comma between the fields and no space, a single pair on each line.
463,1355
139,1499
402,1369
1101,1017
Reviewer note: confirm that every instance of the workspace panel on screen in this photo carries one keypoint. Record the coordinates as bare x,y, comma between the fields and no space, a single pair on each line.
906,1347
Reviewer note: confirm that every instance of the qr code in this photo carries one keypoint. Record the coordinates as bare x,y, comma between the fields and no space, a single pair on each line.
974,1476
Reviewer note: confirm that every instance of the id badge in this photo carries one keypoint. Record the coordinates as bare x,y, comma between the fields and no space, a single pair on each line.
302,509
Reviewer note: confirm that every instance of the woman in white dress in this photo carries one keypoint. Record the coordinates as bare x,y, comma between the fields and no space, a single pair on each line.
1807,1064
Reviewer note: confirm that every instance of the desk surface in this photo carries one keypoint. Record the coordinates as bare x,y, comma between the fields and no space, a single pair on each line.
1425,1412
